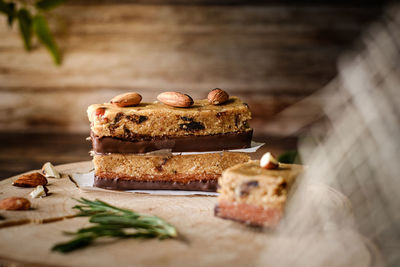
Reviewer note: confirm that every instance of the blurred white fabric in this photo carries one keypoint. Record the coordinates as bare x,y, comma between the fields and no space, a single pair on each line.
354,149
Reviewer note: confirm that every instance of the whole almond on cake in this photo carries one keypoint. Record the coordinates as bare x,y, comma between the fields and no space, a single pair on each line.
127,100
217,96
175,99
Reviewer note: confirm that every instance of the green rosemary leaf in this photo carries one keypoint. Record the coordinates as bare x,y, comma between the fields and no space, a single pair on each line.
80,241
44,35
48,4
289,157
25,26
111,221
9,10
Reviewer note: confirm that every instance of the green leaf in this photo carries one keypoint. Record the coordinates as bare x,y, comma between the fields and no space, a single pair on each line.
44,35
289,157
80,241
25,27
9,10
48,4
110,221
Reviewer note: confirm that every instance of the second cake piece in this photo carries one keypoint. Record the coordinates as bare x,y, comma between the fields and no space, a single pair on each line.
255,195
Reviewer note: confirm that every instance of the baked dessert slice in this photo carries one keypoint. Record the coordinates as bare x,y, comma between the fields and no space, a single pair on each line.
197,172
133,142
154,126
255,195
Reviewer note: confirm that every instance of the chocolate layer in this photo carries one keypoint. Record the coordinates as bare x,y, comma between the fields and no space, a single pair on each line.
209,185
188,143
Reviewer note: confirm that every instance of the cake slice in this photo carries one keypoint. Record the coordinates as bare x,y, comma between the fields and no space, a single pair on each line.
198,172
255,195
153,126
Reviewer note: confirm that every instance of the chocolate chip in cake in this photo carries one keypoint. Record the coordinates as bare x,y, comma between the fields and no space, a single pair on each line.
186,118
279,189
118,117
237,120
245,188
142,119
127,133
220,114
192,126
163,162
136,118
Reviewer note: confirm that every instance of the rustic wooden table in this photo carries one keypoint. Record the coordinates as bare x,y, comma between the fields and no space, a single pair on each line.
22,152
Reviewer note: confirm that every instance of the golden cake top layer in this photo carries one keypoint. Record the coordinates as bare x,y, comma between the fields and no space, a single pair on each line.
249,183
157,119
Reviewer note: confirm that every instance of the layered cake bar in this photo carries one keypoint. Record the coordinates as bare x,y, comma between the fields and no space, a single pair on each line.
154,126
141,146
255,195
198,172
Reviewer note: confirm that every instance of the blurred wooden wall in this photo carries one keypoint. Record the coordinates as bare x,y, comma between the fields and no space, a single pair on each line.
271,55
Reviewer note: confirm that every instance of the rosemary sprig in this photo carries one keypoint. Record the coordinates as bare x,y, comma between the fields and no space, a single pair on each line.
111,221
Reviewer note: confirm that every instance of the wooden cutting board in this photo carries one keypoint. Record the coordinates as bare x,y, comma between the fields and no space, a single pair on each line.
26,237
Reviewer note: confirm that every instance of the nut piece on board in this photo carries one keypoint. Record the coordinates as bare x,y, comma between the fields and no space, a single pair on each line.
127,100
175,99
217,96
30,180
15,203
268,161
39,191
50,171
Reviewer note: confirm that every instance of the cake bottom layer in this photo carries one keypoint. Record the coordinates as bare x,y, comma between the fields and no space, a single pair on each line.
207,185
250,214
182,172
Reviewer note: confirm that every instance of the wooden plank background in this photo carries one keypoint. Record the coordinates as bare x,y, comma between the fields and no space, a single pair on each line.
270,55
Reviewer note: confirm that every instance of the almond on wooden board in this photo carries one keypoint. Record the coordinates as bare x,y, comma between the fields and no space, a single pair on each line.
127,100
217,96
175,99
30,180
15,203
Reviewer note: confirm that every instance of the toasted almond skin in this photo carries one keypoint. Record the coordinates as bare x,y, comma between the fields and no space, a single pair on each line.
217,96
127,99
30,180
15,203
175,99
271,166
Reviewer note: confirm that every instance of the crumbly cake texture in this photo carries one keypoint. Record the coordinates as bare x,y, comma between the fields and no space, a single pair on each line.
159,120
113,171
255,195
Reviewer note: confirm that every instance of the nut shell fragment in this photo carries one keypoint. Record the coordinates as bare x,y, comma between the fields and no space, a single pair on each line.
15,203
127,100
50,171
39,191
268,161
30,180
175,99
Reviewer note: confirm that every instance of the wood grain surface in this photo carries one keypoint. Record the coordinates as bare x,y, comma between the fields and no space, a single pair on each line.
270,55
204,240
